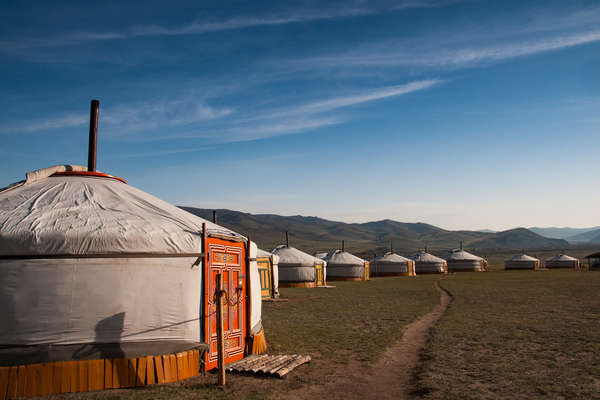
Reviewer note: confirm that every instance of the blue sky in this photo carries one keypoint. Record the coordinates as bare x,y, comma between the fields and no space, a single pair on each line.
463,114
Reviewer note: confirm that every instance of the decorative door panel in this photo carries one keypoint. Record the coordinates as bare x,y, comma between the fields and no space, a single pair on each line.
319,275
264,271
228,259
367,271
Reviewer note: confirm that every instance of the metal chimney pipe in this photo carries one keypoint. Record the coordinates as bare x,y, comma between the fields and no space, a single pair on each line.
287,239
342,246
93,142
461,245
214,216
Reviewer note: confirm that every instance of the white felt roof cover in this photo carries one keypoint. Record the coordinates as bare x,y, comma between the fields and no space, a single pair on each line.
562,257
522,257
422,256
90,215
291,255
392,258
461,255
338,257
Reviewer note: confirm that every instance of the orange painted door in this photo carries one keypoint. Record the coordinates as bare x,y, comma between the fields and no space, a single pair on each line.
226,258
319,275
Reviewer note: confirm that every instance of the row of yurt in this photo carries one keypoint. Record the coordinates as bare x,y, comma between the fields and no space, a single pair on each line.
344,266
392,264
460,260
524,261
299,269
105,286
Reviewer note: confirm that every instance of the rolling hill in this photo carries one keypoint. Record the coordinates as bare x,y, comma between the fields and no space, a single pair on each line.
317,234
562,233
592,236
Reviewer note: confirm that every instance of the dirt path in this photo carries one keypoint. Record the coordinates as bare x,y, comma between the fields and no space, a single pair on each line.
391,377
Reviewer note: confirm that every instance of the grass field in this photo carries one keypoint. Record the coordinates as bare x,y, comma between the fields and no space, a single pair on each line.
516,334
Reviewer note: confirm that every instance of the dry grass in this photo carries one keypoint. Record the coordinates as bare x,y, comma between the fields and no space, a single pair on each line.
355,320
516,334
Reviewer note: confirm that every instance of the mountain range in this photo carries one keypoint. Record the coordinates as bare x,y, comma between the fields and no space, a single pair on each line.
313,234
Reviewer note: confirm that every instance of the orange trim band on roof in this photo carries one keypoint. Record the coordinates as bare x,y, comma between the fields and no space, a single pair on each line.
88,173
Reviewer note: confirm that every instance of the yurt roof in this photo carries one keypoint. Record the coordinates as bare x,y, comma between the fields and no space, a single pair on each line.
321,255
390,257
423,256
86,215
339,257
460,255
291,255
522,257
562,257
260,253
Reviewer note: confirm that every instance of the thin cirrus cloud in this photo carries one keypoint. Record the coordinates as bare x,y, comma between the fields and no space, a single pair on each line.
207,25
130,118
448,58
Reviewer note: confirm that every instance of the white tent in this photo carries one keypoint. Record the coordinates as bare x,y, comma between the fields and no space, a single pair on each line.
522,261
342,265
93,268
426,263
460,260
269,275
391,264
321,255
299,269
562,261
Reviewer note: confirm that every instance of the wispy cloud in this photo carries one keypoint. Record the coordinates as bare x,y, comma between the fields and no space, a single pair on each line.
130,118
207,25
446,58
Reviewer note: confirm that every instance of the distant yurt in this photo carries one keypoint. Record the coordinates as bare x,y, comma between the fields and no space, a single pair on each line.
343,266
562,261
426,263
593,260
299,269
268,270
460,260
391,264
105,286
522,261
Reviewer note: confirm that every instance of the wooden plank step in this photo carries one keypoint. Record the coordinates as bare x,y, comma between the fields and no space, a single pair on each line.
271,365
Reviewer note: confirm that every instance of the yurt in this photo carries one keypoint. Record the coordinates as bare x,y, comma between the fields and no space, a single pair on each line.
593,261
299,269
426,263
459,260
105,286
343,266
268,270
391,264
562,261
321,255
522,261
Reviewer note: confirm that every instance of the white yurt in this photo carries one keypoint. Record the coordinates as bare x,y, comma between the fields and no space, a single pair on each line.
268,270
321,255
343,266
300,269
105,286
522,261
562,261
426,263
391,264
460,260
92,269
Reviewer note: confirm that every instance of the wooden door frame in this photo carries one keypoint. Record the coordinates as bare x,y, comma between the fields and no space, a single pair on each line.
208,241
